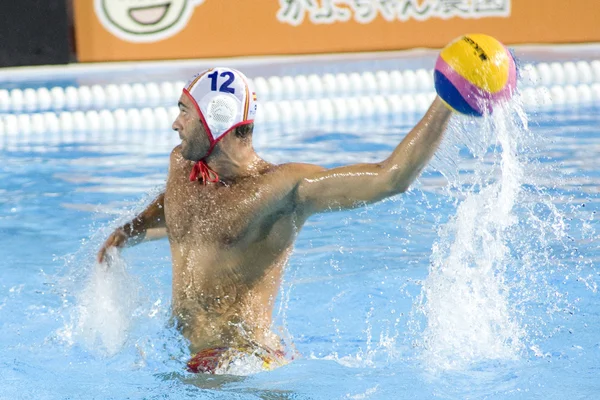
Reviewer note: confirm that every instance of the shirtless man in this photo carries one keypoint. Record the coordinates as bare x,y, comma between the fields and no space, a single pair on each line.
231,217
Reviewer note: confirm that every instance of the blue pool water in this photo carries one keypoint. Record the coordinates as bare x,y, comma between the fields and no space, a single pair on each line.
479,283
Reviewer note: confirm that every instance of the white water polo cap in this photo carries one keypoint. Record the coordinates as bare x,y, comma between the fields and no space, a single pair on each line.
224,100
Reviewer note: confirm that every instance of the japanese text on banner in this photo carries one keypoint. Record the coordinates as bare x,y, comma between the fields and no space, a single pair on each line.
294,12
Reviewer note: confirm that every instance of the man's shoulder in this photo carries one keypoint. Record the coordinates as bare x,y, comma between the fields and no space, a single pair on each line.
176,156
289,173
294,173
300,169
176,151
177,163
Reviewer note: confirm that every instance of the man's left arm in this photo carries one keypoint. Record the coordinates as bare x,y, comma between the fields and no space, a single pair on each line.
353,185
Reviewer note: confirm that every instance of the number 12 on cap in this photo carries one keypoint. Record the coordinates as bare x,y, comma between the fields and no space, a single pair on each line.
214,77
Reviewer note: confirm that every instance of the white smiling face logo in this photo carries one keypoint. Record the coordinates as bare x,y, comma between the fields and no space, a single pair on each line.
145,20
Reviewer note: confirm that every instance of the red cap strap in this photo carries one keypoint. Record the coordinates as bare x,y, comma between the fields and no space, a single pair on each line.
201,169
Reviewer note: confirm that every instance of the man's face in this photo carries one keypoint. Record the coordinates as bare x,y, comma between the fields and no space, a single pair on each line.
194,139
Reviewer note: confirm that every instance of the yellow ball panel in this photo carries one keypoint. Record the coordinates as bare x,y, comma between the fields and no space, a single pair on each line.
480,59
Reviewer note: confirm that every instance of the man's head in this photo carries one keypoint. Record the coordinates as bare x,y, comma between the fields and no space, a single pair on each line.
214,103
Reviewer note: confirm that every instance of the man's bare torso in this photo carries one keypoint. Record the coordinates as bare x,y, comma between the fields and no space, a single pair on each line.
229,245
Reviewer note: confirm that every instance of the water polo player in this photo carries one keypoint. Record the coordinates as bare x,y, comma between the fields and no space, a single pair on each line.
231,217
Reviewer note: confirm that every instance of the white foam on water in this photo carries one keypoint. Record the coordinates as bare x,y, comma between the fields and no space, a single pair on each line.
466,299
105,307
242,365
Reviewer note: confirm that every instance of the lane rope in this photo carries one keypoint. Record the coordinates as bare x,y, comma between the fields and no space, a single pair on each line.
302,98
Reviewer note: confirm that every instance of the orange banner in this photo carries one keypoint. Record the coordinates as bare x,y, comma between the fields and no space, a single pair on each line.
121,30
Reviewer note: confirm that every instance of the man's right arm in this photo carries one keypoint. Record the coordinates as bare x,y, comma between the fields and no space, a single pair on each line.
148,225
354,185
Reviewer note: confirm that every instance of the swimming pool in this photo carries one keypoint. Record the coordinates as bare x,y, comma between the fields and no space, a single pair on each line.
481,282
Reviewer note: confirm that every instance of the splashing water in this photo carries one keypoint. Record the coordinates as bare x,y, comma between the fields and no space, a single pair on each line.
466,298
103,317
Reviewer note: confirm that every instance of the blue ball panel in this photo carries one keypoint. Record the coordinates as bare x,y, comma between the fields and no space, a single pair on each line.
446,90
